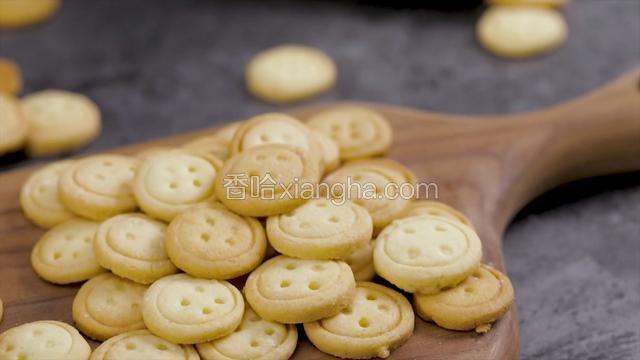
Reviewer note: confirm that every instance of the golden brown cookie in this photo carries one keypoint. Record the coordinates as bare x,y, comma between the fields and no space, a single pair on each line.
141,344
40,199
10,77
18,13
13,125
45,339
436,208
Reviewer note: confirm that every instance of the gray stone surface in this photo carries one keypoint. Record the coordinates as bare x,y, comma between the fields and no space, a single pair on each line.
163,67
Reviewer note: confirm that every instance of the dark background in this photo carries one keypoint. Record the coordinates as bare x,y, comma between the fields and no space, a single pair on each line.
163,67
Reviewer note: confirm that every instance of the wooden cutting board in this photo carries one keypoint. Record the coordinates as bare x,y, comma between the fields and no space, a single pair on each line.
488,168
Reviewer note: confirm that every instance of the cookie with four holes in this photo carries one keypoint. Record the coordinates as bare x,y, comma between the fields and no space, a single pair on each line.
214,243
436,208
133,246
108,305
291,291
187,310
40,199
425,254
13,125
44,339
142,344
320,229
377,321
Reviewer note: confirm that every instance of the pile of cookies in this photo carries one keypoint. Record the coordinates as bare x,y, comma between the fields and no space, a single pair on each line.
163,238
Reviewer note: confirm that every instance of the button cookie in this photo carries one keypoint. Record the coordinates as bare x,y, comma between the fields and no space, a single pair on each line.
358,131
171,182
39,197
436,208
133,246
292,291
186,310
51,340
108,305
255,338
330,151
289,73
425,254
377,321
320,229
10,77
13,125
210,145
214,243
361,262
64,254
475,303
275,171
141,344
59,121
382,188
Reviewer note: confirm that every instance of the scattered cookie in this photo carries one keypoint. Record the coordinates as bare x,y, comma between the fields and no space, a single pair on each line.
99,187
330,151
18,13
377,321
361,262
108,305
186,310
436,208
521,31
39,196
290,73
13,125
358,131
255,338
267,180
133,246
320,229
210,145
146,153
59,121
426,254
141,344
51,340
10,77
64,254
292,291
211,242
475,303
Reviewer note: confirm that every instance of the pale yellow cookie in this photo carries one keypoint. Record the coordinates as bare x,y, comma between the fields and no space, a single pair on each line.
210,145
141,344
59,121
152,151
377,321
330,151
212,242
47,339
39,197
290,73
436,208
254,339
10,77
291,291
382,186
13,125
227,132
551,3
133,246
18,13
361,262
262,180
475,303
187,310
64,254
99,186
108,305
521,31
358,131
320,229
426,254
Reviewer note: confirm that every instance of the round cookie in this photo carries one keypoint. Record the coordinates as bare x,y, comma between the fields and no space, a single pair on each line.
99,187
141,344
64,254
291,291
550,3
226,133
262,180
212,242
13,125
171,182
254,339
47,339
361,262
436,208
40,199
108,305
377,321
475,303
59,121
358,131
133,246
210,145
18,13
320,229
290,73
330,151
374,176
426,254
10,77
521,31
146,153
186,310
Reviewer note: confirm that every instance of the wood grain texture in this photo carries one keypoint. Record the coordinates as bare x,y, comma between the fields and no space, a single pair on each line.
488,168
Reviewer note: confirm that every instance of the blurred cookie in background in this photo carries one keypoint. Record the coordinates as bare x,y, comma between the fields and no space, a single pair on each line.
19,13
